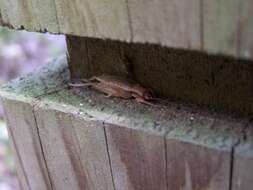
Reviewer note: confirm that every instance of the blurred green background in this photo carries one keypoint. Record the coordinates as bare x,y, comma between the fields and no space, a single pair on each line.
20,53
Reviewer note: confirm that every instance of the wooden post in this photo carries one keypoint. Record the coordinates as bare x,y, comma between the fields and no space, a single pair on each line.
243,156
217,27
68,139
192,51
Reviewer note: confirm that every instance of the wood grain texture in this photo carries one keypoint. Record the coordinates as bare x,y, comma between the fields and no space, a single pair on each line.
137,159
245,29
103,19
74,151
191,166
171,22
243,158
94,154
18,13
220,26
45,14
35,15
93,142
31,166
78,57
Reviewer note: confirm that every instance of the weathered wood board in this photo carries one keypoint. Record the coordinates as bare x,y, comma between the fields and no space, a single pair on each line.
22,127
78,139
35,15
81,159
243,158
195,167
245,29
172,23
102,19
219,27
201,167
137,159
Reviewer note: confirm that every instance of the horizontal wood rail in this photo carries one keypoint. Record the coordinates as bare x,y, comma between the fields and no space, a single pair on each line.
222,27
78,139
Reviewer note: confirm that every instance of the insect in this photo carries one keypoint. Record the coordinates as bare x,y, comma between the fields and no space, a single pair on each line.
114,86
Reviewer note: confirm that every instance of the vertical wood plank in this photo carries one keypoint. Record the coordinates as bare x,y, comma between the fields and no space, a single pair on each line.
220,26
243,159
32,15
174,23
195,167
45,14
137,159
78,57
75,150
32,169
61,152
94,154
245,29
96,18
20,14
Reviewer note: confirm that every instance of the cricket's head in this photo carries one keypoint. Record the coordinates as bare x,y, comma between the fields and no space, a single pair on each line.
145,93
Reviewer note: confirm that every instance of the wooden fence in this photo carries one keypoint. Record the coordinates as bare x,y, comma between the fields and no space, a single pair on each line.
213,26
197,57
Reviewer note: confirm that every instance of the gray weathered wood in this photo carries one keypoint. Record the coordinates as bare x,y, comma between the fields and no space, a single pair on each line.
75,151
243,158
93,142
45,15
195,167
35,15
137,159
220,26
96,18
61,152
32,169
200,167
94,153
168,22
18,13
245,29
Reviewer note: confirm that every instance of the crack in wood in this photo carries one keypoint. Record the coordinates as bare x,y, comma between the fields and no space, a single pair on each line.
109,157
241,140
42,149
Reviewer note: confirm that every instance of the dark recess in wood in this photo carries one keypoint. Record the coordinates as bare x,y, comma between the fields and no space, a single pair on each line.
195,77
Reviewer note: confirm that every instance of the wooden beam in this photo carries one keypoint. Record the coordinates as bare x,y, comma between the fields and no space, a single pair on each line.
245,29
138,159
220,26
172,23
103,19
22,128
33,15
82,159
195,167
93,142
243,157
